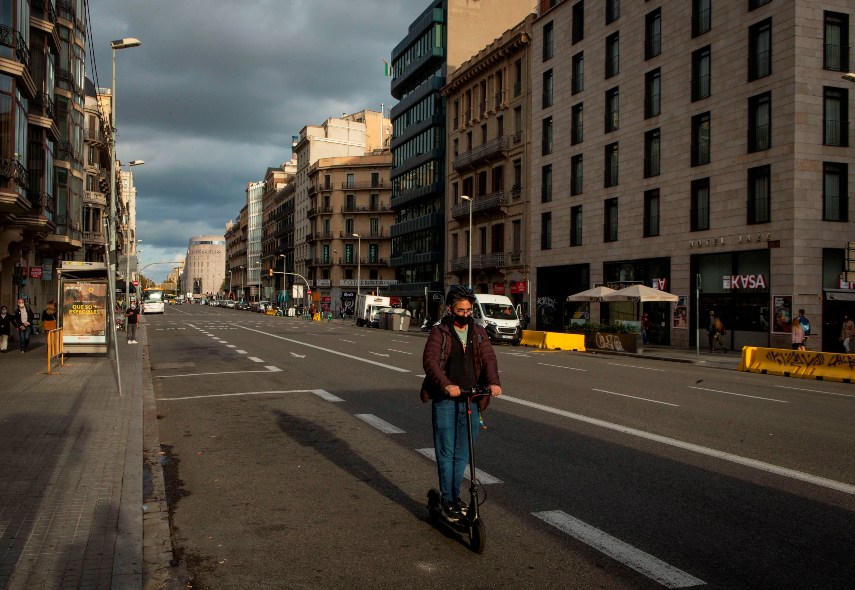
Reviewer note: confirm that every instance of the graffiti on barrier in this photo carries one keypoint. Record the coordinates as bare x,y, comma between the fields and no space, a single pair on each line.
609,342
837,360
797,358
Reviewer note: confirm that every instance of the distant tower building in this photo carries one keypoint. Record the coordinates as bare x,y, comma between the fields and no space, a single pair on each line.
204,266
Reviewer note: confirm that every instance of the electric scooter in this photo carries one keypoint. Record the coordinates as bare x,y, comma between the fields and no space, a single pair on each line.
470,524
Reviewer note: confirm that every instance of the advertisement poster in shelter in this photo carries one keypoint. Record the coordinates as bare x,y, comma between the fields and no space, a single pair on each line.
783,320
84,312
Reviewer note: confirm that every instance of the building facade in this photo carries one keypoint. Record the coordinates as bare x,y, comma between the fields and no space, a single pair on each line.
204,266
445,35
487,162
698,147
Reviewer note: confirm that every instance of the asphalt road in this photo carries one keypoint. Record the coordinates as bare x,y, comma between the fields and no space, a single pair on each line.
298,459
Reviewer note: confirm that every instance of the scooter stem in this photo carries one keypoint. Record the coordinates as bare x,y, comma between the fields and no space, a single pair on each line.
473,488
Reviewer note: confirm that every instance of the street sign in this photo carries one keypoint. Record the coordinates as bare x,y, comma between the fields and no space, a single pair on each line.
135,283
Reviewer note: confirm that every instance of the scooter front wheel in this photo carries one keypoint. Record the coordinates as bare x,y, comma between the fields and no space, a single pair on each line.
477,536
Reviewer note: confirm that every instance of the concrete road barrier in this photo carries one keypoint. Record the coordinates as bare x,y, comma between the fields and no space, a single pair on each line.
806,364
553,340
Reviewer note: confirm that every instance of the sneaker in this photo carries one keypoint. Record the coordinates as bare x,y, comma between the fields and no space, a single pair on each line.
462,507
451,512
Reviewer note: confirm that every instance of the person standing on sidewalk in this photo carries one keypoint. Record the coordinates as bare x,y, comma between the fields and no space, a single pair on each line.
49,316
24,321
645,328
847,332
133,316
805,326
6,324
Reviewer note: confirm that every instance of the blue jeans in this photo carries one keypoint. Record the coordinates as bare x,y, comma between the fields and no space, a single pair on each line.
24,337
451,444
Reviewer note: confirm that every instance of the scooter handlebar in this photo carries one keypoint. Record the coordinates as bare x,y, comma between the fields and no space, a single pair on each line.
476,391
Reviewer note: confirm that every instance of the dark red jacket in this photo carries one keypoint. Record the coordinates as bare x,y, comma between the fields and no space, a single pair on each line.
441,344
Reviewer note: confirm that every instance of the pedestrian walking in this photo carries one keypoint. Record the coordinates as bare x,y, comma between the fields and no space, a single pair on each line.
645,328
798,339
6,324
457,354
847,332
716,331
132,315
805,323
23,319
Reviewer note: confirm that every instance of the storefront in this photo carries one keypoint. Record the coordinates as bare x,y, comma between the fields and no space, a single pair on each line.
736,286
651,272
554,284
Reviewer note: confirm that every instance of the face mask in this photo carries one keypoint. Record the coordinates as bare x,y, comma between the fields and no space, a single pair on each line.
3,311
21,305
460,320
133,307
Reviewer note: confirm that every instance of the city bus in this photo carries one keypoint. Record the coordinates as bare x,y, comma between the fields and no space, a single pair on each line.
152,301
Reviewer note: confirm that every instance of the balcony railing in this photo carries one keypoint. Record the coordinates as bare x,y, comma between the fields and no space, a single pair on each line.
12,38
479,261
95,135
369,209
492,148
93,237
95,197
367,184
481,203
13,169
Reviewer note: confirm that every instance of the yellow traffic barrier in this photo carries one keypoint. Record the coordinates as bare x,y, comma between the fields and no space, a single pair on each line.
562,341
805,364
533,338
55,348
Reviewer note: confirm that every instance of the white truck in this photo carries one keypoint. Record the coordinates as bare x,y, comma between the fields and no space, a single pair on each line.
368,308
499,318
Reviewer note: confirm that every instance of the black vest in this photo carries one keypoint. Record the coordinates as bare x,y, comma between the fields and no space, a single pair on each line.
461,366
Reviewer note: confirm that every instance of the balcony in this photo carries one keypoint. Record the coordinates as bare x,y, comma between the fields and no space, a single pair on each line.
432,221
413,258
490,151
414,194
481,204
479,262
12,38
364,185
93,237
380,208
95,136
95,198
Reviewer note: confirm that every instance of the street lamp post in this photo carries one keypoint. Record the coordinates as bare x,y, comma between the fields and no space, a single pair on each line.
295,274
358,265
467,198
849,77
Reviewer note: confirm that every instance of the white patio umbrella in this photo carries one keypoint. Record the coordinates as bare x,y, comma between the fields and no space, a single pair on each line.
595,294
639,293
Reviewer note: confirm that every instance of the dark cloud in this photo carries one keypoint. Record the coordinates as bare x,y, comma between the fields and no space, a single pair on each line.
212,97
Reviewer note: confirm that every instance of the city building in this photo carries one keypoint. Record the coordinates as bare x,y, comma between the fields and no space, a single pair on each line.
42,56
359,134
254,195
275,181
698,147
487,162
204,266
97,168
236,260
443,36
349,219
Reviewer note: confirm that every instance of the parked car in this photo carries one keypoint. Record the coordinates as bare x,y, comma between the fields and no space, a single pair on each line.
260,306
230,303
244,305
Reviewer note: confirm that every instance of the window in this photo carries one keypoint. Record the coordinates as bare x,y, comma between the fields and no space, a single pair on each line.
518,76
700,204
548,40
517,187
375,179
350,183
348,227
373,253
835,197
610,220
576,175
348,254
653,34
760,122
516,228
701,70
576,225
578,26
546,143
547,88
760,49
576,119
612,55
759,194
701,139
752,4
652,86
546,184
577,84
612,10
518,120
836,54
612,110
701,17
651,153
546,231
835,116
651,213
611,171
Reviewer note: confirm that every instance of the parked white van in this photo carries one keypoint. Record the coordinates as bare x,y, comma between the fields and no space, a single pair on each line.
498,316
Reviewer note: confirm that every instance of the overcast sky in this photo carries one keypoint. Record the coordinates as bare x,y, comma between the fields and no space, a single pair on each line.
213,95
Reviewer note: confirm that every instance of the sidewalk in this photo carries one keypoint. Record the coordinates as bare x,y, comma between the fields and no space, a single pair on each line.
72,478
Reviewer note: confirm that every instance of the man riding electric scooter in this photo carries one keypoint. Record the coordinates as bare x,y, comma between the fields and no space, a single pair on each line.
458,355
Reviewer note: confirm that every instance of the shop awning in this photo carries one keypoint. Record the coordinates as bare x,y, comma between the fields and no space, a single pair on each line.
840,294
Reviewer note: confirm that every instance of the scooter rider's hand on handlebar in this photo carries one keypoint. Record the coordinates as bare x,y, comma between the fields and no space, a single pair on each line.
452,390
495,390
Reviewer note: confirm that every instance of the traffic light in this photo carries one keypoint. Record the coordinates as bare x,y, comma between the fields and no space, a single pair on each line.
270,272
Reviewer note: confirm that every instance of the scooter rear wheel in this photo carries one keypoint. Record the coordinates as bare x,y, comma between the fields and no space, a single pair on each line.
477,536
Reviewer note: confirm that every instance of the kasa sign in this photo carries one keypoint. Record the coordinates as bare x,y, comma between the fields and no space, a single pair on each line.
744,282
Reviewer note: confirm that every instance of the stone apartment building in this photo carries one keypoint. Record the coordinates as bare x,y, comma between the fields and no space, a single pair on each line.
701,147
487,161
